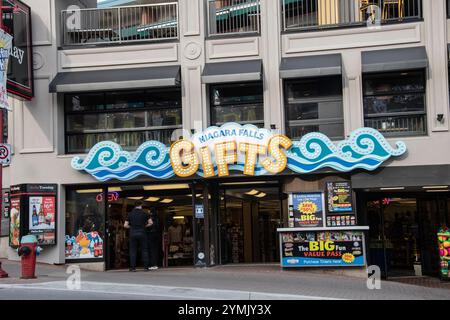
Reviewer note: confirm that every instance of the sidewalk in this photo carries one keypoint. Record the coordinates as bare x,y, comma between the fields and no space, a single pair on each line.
225,282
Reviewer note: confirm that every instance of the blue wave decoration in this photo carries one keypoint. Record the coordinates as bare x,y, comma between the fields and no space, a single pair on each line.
365,149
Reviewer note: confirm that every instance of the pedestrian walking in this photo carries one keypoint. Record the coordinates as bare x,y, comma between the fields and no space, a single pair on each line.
137,222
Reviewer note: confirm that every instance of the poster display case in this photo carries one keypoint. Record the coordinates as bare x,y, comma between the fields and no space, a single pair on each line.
33,212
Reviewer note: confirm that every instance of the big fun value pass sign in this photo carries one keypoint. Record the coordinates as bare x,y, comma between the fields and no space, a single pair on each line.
234,148
318,249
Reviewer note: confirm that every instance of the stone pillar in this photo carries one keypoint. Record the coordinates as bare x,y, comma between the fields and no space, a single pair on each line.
192,59
435,18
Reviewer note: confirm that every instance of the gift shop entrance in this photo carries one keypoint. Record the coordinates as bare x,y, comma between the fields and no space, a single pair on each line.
248,218
170,239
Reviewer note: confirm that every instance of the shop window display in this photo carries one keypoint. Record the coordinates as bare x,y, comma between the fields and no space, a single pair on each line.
85,227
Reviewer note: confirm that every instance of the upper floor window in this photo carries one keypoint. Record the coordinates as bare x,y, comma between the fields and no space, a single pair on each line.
395,103
316,14
314,105
128,118
233,16
242,103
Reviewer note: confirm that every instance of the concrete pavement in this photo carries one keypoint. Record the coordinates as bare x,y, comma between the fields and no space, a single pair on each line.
228,282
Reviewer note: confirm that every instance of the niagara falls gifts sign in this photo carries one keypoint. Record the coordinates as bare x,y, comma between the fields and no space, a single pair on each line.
233,148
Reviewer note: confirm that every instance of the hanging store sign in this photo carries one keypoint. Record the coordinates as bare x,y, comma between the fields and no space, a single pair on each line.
17,22
5,47
233,148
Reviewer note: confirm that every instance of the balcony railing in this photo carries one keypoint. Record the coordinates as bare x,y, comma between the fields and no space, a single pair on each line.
154,22
233,16
402,125
318,14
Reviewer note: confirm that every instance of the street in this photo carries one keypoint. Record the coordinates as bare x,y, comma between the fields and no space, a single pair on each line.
257,282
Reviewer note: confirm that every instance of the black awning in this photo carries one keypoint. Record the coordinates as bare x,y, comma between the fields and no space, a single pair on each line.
392,177
394,59
99,80
238,71
311,66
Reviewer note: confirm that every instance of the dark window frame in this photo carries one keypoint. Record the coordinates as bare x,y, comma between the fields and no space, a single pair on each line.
148,129
391,117
315,99
257,102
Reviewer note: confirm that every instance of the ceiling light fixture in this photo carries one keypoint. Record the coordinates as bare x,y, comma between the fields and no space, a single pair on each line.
252,192
163,187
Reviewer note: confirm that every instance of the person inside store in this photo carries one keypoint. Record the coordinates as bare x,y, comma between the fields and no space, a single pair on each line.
137,222
175,233
154,239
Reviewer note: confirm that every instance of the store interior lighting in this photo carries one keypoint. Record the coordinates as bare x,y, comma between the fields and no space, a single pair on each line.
162,187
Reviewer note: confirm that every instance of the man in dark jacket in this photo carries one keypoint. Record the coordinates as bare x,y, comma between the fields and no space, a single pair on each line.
154,240
137,222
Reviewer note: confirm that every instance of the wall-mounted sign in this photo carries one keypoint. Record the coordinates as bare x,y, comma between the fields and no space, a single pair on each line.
322,249
220,151
307,209
199,211
5,154
17,22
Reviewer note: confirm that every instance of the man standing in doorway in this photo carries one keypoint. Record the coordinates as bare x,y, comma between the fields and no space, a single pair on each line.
137,222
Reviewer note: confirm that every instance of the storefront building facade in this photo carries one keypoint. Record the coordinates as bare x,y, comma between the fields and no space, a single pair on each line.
296,105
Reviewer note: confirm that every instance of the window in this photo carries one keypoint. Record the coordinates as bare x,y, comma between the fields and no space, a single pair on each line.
128,118
241,103
394,103
314,105
85,224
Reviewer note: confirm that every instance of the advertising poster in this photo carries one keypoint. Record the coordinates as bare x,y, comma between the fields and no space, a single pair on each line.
339,196
444,252
14,223
307,209
86,245
42,219
322,249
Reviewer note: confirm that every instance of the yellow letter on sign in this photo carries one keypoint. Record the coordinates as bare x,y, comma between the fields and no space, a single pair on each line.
251,156
275,151
183,158
225,155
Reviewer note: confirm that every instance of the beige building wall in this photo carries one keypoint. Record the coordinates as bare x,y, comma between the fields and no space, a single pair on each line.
36,128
